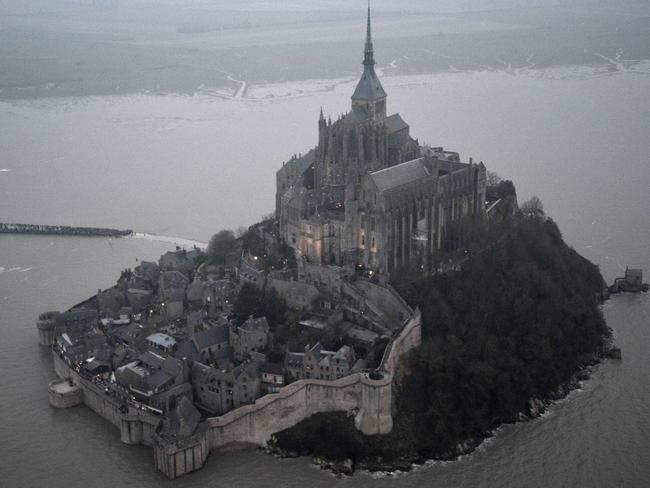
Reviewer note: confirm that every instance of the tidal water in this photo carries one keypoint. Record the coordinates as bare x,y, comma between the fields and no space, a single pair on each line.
191,165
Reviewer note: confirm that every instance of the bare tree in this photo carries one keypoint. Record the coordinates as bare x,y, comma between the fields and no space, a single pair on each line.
493,179
533,208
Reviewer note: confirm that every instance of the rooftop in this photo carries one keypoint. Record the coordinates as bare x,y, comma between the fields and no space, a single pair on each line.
400,174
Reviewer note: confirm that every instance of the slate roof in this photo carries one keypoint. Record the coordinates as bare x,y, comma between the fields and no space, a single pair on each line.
302,164
294,359
395,123
400,174
344,353
355,116
186,349
152,360
157,380
215,335
369,86
259,324
272,368
195,291
173,279
172,366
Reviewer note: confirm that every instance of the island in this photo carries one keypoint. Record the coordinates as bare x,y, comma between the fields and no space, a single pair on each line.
397,306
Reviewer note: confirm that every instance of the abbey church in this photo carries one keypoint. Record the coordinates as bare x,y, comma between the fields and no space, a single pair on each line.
369,194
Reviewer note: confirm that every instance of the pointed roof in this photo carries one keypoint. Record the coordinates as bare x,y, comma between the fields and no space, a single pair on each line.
369,86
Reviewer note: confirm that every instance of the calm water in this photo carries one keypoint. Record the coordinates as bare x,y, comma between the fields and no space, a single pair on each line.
175,165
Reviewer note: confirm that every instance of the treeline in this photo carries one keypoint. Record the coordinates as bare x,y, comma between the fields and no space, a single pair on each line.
517,322
226,247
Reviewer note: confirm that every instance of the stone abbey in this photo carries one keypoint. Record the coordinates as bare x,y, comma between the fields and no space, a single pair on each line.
369,194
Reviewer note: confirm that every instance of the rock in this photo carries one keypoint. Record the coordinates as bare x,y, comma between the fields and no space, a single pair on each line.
345,467
615,353
341,467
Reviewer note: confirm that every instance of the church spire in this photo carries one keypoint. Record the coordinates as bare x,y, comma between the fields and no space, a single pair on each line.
369,59
369,96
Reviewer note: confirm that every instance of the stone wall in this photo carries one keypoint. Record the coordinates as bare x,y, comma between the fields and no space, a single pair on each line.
370,400
409,338
136,426
176,460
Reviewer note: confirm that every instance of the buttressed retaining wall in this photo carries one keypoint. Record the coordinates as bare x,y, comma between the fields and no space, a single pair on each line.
369,399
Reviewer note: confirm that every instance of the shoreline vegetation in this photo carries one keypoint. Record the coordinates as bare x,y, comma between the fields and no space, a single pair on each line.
509,332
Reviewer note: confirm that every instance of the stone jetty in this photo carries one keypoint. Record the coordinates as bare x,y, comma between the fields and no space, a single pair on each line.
62,230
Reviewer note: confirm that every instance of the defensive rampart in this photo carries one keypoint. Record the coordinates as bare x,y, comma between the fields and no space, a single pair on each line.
136,426
409,338
366,395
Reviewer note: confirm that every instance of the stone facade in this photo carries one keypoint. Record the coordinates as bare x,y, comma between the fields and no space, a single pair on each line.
219,391
369,194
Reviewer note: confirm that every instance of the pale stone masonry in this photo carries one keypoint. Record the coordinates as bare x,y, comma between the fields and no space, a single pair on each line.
369,194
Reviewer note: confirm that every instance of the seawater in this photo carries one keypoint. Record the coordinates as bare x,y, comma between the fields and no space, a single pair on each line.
187,166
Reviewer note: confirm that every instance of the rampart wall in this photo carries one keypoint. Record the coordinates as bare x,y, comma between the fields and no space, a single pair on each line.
136,426
366,395
409,338
370,400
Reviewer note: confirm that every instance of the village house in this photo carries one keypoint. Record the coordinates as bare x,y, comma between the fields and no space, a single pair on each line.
318,363
213,344
252,335
272,377
180,260
77,346
150,376
297,295
171,293
218,391
161,343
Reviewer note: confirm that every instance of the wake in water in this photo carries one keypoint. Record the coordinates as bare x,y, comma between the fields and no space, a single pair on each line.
15,269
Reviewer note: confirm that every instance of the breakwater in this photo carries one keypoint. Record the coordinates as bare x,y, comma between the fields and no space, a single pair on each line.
62,230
